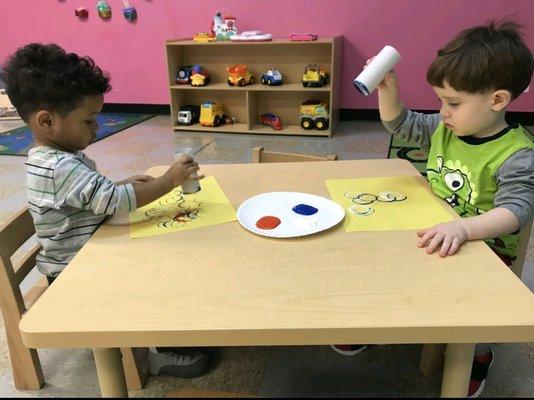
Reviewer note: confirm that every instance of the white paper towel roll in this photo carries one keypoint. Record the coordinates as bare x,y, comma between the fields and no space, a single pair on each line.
377,69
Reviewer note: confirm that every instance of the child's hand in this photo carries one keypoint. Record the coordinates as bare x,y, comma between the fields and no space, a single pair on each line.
448,235
390,80
185,168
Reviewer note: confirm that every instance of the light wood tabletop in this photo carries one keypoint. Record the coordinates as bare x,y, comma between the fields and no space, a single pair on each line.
224,286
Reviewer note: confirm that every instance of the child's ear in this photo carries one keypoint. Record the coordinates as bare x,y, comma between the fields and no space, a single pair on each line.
44,120
500,99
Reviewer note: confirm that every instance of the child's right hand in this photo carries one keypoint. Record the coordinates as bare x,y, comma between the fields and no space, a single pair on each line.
184,169
390,80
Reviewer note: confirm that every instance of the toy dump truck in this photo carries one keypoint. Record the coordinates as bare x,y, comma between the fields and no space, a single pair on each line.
314,114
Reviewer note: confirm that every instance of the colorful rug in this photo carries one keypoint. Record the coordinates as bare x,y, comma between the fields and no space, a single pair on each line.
18,141
399,148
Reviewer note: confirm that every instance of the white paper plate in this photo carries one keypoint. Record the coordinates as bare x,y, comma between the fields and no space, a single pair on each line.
280,205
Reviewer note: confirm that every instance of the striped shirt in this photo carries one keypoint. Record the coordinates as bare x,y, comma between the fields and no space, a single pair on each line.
68,200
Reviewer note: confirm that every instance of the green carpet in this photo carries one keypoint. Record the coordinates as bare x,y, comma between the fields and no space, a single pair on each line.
19,141
399,148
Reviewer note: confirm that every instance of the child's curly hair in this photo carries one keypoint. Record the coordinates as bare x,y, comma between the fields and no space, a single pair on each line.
46,77
484,58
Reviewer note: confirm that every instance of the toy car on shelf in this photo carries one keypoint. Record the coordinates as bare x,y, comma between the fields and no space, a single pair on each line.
184,75
271,120
251,36
314,114
199,76
302,37
239,75
203,37
314,76
212,114
188,115
272,77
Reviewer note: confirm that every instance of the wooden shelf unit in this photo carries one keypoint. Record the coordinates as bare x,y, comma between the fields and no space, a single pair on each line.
247,103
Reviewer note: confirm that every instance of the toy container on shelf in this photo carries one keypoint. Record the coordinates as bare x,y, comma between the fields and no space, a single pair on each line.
223,26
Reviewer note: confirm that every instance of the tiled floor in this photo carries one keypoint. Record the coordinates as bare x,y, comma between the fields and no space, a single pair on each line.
306,371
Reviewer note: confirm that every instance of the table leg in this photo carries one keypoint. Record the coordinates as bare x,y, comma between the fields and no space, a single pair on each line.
457,369
110,372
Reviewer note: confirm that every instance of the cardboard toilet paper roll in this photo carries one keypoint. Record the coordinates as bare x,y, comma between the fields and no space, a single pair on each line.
190,186
377,69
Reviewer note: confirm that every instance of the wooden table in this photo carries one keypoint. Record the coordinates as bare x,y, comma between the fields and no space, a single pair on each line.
224,286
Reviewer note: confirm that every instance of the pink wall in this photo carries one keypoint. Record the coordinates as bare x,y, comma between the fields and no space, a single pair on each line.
135,57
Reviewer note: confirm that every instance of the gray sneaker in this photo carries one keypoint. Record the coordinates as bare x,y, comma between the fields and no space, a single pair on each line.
178,362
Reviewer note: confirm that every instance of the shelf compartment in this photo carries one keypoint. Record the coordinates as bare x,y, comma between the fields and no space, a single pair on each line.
233,104
256,87
289,58
289,129
227,128
286,106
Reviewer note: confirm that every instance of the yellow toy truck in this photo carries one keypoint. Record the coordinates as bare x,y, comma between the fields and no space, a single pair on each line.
314,76
212,114
314,114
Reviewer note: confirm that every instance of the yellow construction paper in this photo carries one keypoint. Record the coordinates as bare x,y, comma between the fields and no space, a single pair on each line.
180,212
416,209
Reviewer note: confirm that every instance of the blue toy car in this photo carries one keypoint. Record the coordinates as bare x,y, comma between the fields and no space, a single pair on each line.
184,75
272,77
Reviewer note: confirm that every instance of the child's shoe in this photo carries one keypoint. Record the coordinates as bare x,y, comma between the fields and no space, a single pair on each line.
479,372
179,362
348,349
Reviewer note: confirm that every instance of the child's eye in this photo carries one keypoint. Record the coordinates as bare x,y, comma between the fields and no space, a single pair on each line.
88,122
454,104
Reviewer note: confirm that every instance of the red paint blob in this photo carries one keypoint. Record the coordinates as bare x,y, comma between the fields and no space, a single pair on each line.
268,222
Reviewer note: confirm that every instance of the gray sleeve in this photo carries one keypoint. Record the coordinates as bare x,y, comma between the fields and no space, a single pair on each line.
83,188
515,181
414,127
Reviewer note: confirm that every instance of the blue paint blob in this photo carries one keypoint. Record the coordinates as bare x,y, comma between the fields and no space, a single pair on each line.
304,209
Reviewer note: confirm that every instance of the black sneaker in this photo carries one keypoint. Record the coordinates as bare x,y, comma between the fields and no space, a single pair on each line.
348,349
178,362
479,372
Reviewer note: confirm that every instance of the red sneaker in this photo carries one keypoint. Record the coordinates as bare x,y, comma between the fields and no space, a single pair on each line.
479,372
348,349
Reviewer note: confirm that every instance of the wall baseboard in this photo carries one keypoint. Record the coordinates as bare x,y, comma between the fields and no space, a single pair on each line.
345,114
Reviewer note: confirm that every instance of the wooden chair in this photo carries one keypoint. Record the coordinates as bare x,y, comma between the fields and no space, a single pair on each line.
261,156
27,371
433,355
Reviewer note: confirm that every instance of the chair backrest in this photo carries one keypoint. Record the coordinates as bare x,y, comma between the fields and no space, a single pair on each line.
261,156
13,234
27,370
522,246
26,367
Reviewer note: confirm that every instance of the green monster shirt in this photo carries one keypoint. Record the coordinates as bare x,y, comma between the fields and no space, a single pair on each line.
464,174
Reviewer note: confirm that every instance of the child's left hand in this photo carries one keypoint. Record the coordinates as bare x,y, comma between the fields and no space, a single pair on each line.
450,235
